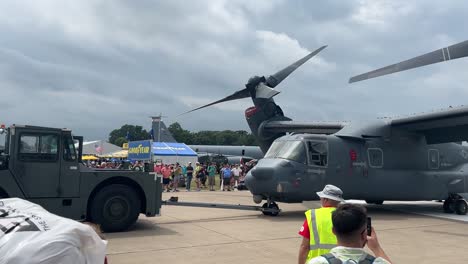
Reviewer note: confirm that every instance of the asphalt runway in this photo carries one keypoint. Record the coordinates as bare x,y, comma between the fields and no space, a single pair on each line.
409,232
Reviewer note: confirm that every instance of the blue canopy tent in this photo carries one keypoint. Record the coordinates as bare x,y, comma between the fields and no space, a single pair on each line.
170,153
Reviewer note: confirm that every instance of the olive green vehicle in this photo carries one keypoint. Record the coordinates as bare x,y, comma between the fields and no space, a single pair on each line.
43,165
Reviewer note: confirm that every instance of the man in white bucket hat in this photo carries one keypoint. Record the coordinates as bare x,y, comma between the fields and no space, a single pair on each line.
316,232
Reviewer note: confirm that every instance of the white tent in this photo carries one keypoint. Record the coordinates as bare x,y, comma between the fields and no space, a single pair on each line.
99,148
170,153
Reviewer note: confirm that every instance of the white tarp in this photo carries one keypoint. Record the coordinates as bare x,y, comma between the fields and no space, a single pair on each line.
30,234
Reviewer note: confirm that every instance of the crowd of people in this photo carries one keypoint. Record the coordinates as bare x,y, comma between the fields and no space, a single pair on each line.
203,174
115,164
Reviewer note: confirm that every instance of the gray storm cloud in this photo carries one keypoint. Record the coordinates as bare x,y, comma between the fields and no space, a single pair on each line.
95,65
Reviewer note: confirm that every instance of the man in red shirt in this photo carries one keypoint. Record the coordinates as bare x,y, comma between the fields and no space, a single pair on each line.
157,168
166,173
330,197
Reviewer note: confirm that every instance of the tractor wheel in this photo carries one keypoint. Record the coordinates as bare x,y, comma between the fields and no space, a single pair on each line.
461,207
115,207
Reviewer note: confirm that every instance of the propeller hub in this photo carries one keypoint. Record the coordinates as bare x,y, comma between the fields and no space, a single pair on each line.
253,82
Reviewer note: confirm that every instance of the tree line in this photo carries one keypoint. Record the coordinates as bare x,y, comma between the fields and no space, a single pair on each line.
226,137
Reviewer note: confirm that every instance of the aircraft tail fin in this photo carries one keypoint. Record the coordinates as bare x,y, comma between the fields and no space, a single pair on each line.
159,131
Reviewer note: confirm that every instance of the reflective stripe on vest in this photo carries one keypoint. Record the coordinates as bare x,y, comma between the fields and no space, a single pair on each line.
322,239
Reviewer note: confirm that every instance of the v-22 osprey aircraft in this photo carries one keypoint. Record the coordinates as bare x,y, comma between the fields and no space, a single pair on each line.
412,158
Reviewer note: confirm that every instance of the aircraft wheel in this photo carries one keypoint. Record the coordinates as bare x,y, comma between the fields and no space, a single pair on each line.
448,206
461,207
274,206
115,207
264,206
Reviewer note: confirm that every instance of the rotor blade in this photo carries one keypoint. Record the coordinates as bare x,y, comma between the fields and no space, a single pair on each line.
456,51
277,78
244,93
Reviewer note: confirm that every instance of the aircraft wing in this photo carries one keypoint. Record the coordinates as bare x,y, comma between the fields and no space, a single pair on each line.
302,127
443,126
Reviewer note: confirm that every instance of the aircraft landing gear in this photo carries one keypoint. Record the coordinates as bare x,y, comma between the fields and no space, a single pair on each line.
455,204
461,207
270,208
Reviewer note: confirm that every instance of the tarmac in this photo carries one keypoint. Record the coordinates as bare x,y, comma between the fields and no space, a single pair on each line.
410,232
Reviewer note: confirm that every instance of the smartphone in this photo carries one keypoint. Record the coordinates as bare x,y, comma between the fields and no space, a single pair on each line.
369,226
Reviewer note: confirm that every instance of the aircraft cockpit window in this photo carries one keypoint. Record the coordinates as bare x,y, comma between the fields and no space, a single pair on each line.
274,149
285,149
293,150
375,157
318,153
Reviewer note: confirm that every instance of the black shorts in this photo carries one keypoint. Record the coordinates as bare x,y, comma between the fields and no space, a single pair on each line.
226,180
166,180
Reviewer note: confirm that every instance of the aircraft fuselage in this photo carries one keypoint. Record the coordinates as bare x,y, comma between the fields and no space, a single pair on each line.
398,167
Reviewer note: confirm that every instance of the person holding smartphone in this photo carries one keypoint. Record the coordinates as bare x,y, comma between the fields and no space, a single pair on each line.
353,231
316,231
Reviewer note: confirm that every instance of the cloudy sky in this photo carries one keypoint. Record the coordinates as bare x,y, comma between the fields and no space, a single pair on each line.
93,66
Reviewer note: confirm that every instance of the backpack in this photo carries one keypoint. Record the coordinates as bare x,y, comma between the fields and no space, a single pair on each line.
333,260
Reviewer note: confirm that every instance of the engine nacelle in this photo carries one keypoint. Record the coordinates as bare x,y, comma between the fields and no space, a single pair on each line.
264,111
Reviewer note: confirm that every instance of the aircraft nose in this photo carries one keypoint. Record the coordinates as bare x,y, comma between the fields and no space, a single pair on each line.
266,176
262,173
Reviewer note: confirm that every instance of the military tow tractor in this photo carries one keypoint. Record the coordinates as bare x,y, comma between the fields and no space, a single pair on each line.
42,165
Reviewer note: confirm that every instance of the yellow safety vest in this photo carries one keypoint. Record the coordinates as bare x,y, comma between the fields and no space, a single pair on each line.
322,239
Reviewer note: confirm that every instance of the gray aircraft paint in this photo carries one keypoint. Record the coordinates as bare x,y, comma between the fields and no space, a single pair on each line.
411,158
253,152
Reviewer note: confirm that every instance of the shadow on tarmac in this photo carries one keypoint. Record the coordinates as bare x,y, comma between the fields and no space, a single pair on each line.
384,213
143,228
380,212
214,219
284,216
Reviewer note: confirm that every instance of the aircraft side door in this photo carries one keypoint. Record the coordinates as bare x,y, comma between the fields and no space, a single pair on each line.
375,158
37,165
69,169
317,155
